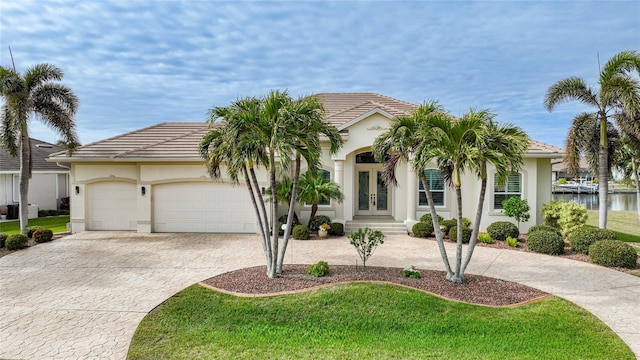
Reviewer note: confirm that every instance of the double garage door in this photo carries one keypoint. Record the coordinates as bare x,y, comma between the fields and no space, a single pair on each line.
177,207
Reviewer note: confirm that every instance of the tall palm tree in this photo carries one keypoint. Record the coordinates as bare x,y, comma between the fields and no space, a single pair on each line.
314,189
401,143
617,93
267,132
502,146
36,94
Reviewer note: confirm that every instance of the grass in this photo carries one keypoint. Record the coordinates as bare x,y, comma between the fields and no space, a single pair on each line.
367,321
624,223
57,224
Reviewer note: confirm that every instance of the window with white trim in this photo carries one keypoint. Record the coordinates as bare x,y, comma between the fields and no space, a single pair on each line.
502,191
435,182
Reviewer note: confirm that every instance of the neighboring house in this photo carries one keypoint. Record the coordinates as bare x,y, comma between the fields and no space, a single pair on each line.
154,180
49,182
559,170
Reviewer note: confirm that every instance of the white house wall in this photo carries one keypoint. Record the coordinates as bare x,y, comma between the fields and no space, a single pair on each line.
44,189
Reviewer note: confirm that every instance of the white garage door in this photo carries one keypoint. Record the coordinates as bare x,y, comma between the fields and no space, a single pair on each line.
202,207
112,206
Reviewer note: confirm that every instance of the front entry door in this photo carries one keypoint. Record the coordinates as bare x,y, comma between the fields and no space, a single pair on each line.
374,197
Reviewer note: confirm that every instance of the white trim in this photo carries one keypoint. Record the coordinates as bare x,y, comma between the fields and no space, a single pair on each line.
364,116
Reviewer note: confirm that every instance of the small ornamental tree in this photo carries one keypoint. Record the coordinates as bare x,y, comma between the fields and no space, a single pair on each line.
365,241
516,208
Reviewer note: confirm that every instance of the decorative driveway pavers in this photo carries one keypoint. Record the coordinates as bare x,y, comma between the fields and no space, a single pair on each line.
83,296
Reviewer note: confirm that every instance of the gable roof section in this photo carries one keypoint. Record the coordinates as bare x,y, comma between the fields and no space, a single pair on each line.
344,108
178,141
40,150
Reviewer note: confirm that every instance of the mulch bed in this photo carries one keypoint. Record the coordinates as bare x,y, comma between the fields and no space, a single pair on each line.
476,289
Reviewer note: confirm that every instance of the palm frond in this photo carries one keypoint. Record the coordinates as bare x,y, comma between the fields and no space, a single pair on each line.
572,88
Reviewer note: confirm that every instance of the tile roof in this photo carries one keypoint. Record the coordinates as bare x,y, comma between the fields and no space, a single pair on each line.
178,141
40,150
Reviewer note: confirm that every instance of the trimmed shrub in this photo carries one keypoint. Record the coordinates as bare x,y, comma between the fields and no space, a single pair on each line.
613,253
466,234
581,238
466,222
422,229
3,239
319,220
545,242
572,217
43,235
16,242
32,229
545,227
501,230
301,232
448,224
337,229
319,269
427,218
485,238
551,213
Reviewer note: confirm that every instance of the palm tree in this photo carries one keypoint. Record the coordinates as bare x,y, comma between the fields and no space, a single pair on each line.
502,146
401,143
36,94
268,132
314,189
617,93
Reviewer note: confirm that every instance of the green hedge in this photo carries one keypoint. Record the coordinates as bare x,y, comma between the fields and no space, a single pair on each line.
613,253
545,242
422,229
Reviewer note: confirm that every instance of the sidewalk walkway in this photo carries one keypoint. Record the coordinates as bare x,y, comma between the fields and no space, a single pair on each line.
83,296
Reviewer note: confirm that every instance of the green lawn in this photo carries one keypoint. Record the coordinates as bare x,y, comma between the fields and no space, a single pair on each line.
367,321
625,223
57,224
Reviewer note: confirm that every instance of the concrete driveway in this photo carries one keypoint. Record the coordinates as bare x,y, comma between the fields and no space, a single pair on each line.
82,297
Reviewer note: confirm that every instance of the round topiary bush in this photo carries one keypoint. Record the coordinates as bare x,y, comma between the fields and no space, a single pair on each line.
337,229
448,224
3,239
16,242
301,232
545,242
319,269
43,235
613,253
582,238
501,230
422,229
544,227
32,229
319,220
427,218
466,234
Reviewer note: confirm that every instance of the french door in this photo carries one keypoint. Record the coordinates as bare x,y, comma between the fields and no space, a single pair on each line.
373,195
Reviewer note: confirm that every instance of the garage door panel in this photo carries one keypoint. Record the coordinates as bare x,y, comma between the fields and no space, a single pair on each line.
112,206
202,207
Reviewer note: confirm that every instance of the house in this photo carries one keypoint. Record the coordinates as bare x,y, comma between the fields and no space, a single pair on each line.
154,180
49,182
560,170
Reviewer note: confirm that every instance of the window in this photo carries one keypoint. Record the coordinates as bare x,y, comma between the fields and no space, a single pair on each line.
325,174
503,191
436,186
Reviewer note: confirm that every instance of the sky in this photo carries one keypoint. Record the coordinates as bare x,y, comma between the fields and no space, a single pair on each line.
137,63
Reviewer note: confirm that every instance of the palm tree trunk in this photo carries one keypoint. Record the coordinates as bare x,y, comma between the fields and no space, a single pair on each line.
314,210
436,226
271,266
458,277
263,218
292,203
255,207
25,174
476,225
603,178
636,173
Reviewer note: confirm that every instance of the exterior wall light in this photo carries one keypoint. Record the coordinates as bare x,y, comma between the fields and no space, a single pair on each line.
143,190
77,190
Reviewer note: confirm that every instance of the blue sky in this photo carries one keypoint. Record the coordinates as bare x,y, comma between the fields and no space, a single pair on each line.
136,63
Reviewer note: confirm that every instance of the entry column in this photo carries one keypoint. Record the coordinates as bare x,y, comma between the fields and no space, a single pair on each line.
412,195
338,178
